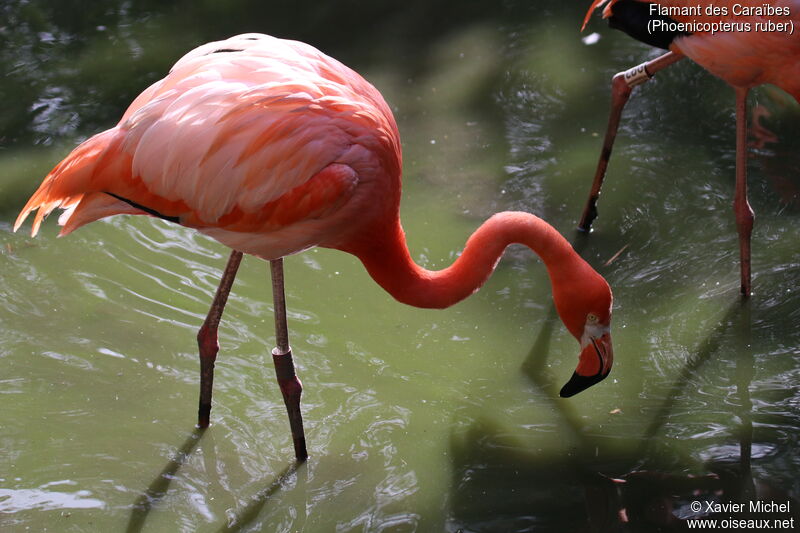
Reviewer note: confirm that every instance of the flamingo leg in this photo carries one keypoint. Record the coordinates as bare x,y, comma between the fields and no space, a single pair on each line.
207,338
622,85
741,207
290,385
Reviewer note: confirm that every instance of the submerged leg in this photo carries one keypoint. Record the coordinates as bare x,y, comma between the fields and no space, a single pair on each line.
741,207
207,338
290,385
621,86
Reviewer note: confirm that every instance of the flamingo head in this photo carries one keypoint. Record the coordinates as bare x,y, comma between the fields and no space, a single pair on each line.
585,308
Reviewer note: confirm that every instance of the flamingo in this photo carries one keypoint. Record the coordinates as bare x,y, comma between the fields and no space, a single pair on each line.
758,46
271,147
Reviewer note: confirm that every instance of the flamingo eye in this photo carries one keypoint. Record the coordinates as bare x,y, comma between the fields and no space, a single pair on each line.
591,318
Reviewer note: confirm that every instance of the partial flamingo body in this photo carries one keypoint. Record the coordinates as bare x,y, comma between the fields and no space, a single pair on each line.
746,56
745,42
271,148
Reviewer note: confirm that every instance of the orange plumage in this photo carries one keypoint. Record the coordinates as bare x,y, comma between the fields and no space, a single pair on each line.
746,57
744,42
271,147
269,137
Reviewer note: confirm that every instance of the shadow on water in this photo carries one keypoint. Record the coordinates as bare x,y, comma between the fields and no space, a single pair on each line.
160,485
293,476
737,317
536,490
158,488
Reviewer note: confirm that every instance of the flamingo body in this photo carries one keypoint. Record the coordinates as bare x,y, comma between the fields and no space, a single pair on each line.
271,147
744,42
266,145
746,57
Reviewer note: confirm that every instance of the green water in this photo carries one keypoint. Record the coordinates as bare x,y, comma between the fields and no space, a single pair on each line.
416,420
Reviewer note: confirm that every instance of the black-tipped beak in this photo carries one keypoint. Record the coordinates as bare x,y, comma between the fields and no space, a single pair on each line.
594,364
578,383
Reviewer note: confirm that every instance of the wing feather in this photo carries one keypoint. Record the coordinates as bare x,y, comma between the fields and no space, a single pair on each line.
249,134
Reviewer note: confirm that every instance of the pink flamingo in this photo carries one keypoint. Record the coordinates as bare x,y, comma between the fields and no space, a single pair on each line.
760,44
271,148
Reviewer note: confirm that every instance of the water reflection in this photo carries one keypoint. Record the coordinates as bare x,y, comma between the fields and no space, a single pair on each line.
649,488
158,488
43,498
294,477
291,478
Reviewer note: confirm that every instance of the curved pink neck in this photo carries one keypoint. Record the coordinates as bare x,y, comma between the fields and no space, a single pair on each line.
391,266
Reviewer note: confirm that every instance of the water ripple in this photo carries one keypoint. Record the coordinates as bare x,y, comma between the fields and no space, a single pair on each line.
15,500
